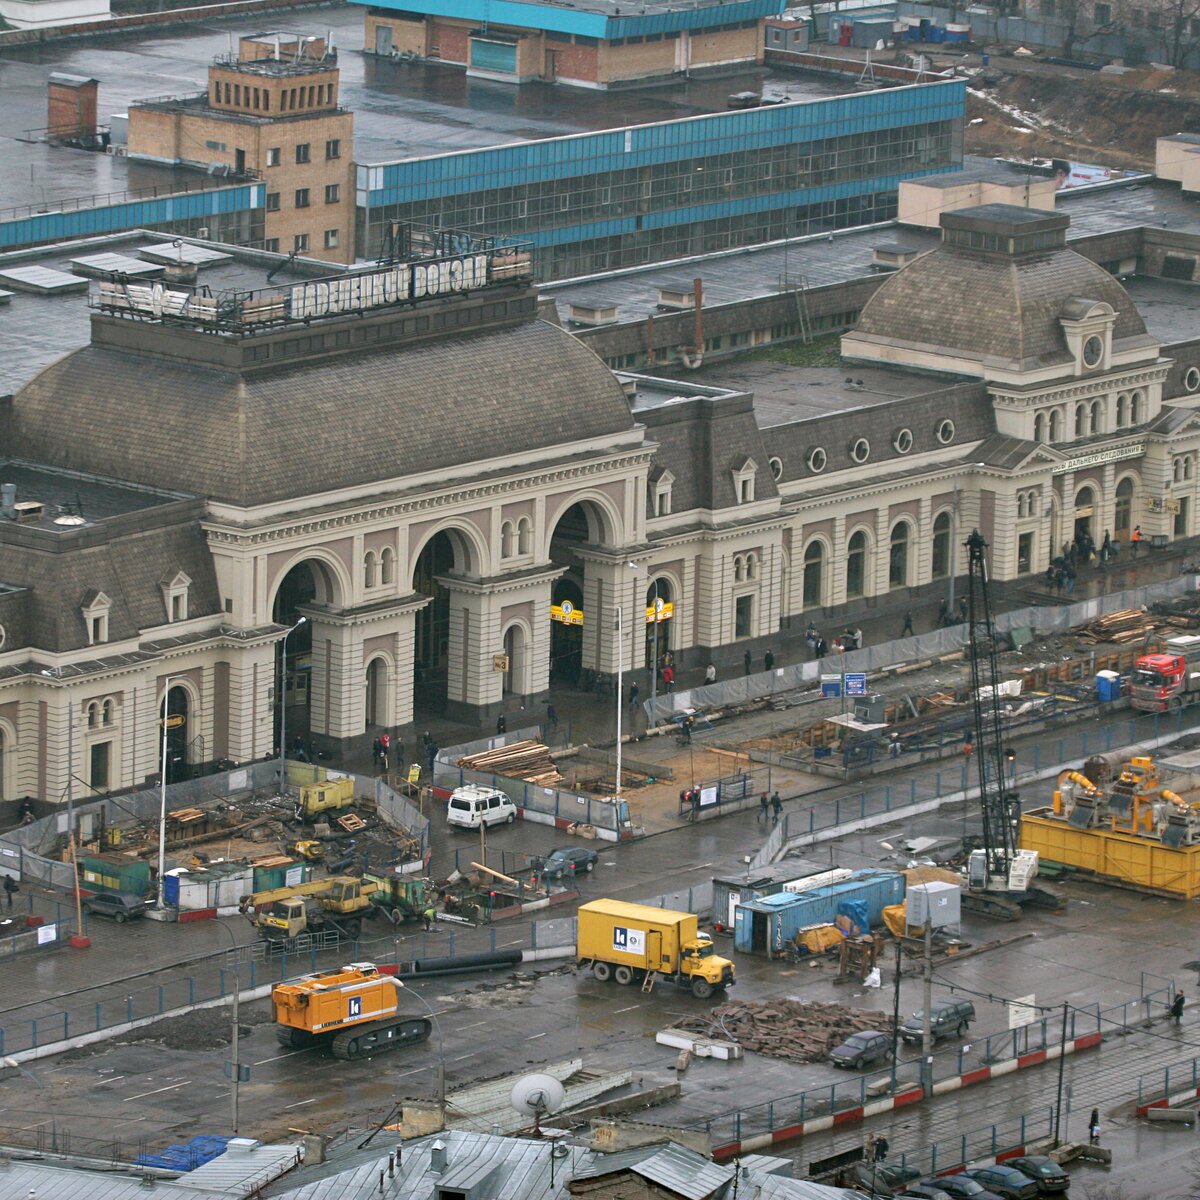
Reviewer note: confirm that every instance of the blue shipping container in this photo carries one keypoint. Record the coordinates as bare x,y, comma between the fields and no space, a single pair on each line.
766,925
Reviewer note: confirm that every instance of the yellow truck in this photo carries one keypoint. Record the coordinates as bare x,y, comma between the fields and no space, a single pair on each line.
329,795
634,943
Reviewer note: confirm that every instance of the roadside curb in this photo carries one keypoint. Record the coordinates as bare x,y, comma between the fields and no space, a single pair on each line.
902,1099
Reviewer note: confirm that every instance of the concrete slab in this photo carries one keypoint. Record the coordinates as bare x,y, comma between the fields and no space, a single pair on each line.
6,297
43,281
98,266
198,256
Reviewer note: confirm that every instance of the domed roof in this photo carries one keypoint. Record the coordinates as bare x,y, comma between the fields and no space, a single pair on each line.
249,437
995,292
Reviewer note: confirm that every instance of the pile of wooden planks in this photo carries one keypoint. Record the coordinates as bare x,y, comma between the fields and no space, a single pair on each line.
528,760
796,1030
1127,625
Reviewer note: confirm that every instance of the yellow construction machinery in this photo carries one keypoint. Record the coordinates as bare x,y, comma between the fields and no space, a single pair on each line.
280,914
354,1009
330,795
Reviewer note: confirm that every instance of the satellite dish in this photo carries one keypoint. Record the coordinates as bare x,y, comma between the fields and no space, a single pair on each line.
536,1096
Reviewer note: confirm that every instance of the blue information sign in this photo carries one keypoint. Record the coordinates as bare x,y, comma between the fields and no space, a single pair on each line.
856,683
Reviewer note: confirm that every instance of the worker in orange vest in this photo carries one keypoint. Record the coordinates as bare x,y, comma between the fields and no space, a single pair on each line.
1135,539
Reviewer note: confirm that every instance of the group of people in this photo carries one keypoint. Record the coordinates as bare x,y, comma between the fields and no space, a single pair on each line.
772,804
383,746
818,647
944,617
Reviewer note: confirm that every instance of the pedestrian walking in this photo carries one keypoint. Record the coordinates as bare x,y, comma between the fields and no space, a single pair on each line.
822,647
11,888
431,751
669,678
501,725
962,610
1177,1008
1106,547
810,636
710,674
551,716
1094,1127
429,916
768,661
882,1146
943,614
907,631
858,638
776,808
376,750
634,692
747,661
764,803
1135,540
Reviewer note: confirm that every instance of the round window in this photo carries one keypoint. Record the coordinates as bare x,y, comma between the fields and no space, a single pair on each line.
860,450
817,460
903,441
945,431
776,465
1191,380
1093,351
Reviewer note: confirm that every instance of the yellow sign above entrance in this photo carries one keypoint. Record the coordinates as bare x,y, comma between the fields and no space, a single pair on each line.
666,610
567,613
174,721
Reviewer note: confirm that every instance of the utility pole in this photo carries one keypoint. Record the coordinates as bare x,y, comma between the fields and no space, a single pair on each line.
1062,1063
927,1015
895,1016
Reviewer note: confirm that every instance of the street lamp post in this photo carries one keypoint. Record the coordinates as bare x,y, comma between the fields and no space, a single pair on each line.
283,710
235,1065
654,665
162,804
620,689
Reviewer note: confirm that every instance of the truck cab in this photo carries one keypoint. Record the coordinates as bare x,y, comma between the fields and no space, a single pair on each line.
1158,679
698,960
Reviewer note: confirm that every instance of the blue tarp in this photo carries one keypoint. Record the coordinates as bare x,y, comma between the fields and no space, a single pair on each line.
192,1154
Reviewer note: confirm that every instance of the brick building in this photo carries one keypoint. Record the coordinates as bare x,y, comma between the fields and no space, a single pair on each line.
271,112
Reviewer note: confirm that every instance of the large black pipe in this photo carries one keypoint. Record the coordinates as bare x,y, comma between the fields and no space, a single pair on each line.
460,964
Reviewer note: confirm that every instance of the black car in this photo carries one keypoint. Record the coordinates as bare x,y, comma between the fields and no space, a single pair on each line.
1045,1172
558,863
963,1187
947,1018
925,1191
861,1049
121,906
1005,1182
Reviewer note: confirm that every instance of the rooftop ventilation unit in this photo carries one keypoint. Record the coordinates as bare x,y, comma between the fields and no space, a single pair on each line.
592,314
677,299
29,512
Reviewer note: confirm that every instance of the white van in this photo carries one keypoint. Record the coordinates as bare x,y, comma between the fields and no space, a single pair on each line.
472,806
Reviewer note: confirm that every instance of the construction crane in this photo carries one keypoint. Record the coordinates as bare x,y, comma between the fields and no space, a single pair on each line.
999,876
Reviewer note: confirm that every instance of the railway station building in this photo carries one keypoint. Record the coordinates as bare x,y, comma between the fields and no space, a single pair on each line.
464,503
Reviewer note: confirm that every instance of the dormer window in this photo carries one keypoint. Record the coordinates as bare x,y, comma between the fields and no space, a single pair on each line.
1087,326
743,481
660,493
95,609
175,596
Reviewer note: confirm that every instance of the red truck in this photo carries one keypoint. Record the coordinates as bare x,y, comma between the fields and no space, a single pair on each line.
1166,681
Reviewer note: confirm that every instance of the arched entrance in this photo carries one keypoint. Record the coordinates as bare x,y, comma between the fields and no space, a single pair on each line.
377,708
1085,511
585,523
308,582
898,555
1123,510
566,631
660,619
180,735
813,595
515,650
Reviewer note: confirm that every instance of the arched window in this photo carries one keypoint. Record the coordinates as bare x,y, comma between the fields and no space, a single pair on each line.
1137,413
93,715
751,566
1097,416
739,568
524,536
108,713
1081,420
1122,410
941,545
369,569
856,564
506,540
898,556
1123,510
1039,427
814,575
3,763
387,565
1056,425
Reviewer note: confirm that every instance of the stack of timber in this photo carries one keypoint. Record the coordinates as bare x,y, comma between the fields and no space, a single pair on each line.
795,1030
526,760
1127,625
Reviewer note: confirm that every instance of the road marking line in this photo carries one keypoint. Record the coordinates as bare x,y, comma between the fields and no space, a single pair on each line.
114,1079
518,942
169,1088
535,1037
463,1056
629,1009
414,1071
279,1056
300,1104
472,1025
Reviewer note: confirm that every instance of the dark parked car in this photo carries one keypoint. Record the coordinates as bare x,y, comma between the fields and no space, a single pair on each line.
883,1179
1045,1172
926,1191
963,1187
559,862
948,1018
121,906
1005,1181
861,1049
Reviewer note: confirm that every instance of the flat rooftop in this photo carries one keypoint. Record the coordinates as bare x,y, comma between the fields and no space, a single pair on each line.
36,330
402,110
77,497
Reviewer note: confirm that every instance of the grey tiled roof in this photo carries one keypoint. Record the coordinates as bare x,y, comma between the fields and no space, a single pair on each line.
268,435
990,307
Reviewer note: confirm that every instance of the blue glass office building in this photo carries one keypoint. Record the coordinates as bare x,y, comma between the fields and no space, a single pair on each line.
650,193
